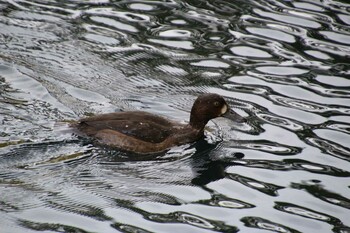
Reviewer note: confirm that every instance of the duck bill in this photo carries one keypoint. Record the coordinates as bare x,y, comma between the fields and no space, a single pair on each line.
232,115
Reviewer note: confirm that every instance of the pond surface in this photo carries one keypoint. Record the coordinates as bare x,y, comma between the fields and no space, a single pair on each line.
284,65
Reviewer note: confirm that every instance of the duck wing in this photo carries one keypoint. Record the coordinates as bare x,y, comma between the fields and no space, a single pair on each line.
140,125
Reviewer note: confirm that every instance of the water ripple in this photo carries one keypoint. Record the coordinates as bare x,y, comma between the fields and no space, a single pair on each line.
297,164
264,224
318,191
269,189
303,212
329,147
307,213
270,147
227,202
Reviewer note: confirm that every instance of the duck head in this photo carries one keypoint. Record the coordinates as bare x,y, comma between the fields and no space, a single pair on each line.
210,106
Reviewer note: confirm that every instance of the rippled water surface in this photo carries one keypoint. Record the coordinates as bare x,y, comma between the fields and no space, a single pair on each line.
284,65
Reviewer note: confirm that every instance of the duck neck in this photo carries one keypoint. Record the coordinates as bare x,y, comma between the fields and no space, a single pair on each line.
197,123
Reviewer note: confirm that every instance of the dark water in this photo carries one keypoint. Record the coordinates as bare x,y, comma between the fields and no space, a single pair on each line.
283,64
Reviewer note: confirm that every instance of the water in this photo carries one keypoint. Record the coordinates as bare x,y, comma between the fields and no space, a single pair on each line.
282,64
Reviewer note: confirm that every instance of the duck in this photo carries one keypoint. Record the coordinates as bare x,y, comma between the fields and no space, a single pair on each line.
146,133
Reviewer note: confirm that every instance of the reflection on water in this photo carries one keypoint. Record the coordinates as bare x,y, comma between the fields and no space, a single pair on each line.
282,64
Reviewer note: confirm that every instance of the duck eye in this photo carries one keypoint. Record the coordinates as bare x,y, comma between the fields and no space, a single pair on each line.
216,103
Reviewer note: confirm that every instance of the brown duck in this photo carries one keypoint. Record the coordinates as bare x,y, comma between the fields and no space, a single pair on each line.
144,133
